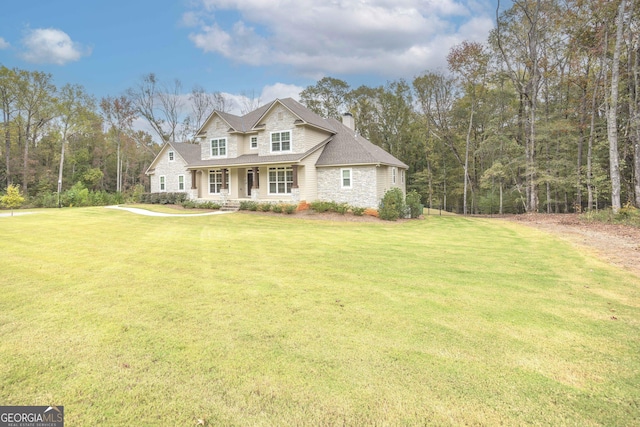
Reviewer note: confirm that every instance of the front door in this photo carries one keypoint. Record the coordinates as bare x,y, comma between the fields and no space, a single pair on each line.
249,182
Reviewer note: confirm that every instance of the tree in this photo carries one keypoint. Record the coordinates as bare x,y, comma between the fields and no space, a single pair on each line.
12,199
516,38
327,98
9,105
469,61
75,113
144,98
612,114
203,103
36,108
119,113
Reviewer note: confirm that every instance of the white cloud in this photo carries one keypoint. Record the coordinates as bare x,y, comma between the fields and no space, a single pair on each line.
4,44
393,38
51,46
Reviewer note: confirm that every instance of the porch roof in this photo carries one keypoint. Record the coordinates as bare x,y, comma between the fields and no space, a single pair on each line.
246,160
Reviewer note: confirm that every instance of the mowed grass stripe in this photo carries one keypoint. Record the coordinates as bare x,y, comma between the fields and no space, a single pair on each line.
275,320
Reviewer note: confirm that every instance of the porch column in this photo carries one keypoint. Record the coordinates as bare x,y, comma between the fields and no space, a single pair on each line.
224,179
295,176
194,183
256,181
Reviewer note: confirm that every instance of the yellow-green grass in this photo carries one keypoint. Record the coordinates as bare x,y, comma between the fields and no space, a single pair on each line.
275,320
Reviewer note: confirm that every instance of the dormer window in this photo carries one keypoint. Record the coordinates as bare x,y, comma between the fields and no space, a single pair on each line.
219,147
172,156
280,141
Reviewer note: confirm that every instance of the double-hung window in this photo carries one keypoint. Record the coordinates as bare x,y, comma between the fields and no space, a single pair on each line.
172,156
163,185
219,147
215,181
254,142
394,172
280,180
345,178
280,141
181,182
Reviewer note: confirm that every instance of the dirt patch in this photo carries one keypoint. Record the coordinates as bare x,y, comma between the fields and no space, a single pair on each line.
616,244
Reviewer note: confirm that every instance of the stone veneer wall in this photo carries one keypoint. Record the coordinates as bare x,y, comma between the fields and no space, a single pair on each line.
170,170
363,186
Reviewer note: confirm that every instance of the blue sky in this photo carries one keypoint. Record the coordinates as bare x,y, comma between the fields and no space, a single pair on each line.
273,48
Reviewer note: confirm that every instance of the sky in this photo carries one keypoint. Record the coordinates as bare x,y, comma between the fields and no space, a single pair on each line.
267,48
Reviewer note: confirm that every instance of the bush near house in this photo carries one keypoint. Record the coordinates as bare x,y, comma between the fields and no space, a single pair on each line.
163,198
392,205
412,201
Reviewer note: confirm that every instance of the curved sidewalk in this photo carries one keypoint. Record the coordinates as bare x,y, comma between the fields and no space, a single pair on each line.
150,213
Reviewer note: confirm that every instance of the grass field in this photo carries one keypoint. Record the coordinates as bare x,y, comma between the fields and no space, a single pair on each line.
247,319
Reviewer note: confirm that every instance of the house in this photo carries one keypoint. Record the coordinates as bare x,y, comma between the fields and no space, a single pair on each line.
280,152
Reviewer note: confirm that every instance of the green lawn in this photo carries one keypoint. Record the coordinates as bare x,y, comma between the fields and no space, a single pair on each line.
275,320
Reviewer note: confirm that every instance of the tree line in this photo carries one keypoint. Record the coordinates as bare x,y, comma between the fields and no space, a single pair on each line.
542,117
56,138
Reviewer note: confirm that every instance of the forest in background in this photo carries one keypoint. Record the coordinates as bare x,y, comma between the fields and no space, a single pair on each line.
542,117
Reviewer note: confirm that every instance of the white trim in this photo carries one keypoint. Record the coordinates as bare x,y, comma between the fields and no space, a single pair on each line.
286,169
162,182
181,183
251,138
171,155
218,171
342,178
394,173
226,147
271,150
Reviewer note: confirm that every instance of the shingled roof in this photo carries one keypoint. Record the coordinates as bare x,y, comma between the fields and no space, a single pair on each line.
344,147
348,148
189,152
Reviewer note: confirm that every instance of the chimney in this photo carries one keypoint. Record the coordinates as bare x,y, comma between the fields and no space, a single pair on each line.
348,121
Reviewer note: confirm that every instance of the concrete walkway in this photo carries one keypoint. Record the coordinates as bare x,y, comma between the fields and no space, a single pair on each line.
15,213
150,213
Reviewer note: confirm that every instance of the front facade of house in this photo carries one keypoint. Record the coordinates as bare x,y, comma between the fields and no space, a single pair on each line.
280,152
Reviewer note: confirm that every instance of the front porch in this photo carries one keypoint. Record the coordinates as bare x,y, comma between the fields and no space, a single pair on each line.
277,183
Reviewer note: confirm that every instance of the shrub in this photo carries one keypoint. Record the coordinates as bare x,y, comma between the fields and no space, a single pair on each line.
289,209
321,206
413,203
392,205
209,205
77,195
189,204
12,199
264,207
357,211
341,208
248,205
277,208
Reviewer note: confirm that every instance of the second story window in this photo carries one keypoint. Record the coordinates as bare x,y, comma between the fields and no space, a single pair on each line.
171,156
254,142
219,147
280,141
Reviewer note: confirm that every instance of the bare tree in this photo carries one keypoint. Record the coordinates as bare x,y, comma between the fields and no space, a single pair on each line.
144,98
250,101
119,113
171,107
